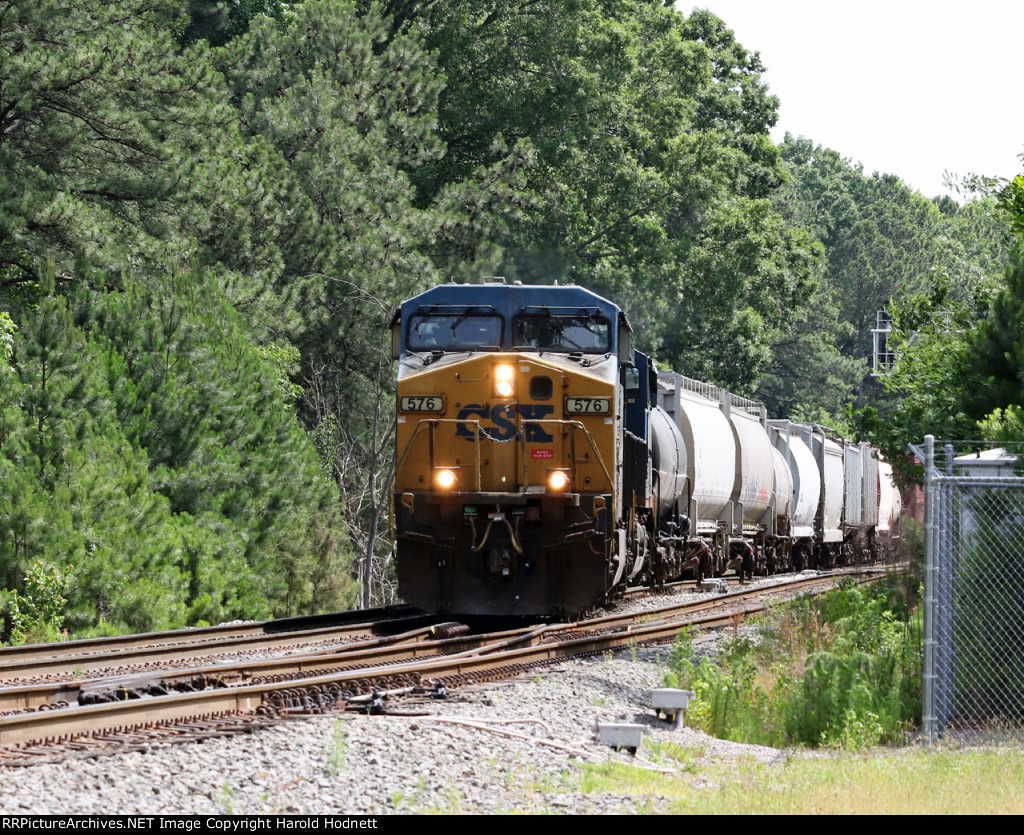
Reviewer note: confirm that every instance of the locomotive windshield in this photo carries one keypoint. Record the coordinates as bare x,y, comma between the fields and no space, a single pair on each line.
583,334
454,331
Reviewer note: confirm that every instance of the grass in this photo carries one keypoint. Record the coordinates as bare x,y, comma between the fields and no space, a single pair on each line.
841,671
884,781
339,746
671,754
911,781
226,798
452,802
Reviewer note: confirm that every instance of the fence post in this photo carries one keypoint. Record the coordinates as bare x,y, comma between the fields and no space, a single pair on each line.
928,706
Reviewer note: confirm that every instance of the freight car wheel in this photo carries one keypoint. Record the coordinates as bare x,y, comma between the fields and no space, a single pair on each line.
799,558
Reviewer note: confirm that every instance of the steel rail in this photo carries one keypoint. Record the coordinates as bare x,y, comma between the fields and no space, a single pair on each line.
409,646
472,664
113,657
52,725
64,725
194,635
403,647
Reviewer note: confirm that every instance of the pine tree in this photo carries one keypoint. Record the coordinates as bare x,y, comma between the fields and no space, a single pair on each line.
997,357
103,120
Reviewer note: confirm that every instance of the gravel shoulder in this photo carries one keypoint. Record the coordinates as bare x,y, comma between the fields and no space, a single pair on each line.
518,746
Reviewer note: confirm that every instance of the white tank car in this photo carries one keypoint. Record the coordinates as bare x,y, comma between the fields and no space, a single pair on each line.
710,443
668,460
783,491
890,503
806,478
829,456
755,464
796,494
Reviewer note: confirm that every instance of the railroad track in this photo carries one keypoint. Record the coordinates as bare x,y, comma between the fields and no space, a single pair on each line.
71,659
176,704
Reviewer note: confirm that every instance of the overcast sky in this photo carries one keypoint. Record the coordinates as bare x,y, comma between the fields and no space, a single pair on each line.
906,88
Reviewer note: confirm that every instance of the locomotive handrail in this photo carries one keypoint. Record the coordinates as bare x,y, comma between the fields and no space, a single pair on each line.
432,423
573,424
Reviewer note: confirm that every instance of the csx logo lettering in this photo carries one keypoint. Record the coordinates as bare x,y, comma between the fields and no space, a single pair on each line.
504,419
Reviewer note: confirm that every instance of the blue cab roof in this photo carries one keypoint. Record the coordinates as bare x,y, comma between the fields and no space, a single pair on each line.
510,300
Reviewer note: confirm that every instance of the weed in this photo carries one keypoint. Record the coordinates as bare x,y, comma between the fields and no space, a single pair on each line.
36,613
620,778
597,700
225,798
842,670
452,803
454,798
680,665
672,754
336,759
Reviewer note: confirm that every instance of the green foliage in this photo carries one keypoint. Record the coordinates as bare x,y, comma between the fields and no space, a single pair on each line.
1004,426
333,116
887,247
1010,197
996,349
146,441
641,139
35,615
680,664
103,120
284,359
218,21
807,377
959,364
842,670
336,757
671,754
930,338
7,329
731,702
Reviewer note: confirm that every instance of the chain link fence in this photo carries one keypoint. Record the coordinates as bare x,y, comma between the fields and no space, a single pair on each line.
974,593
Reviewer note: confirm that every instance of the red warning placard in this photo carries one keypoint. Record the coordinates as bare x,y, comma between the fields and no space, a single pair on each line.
542,453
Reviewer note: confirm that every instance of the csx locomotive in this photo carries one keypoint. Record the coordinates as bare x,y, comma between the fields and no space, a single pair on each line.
543,463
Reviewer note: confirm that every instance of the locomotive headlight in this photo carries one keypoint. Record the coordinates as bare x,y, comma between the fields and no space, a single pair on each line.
503,380
558,479
445,479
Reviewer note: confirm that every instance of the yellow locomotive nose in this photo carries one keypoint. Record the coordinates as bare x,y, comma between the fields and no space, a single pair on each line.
503,377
